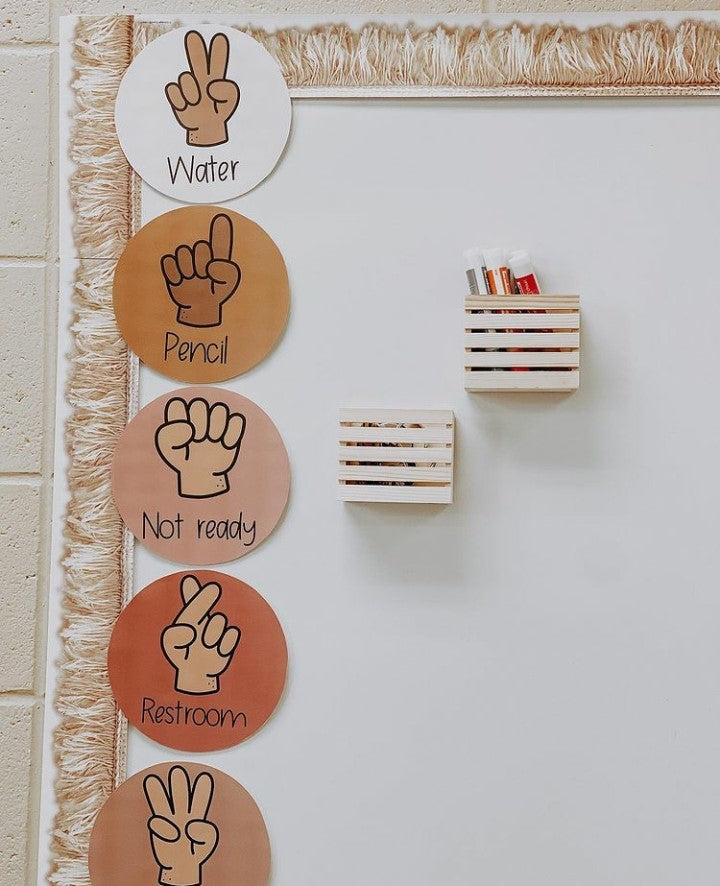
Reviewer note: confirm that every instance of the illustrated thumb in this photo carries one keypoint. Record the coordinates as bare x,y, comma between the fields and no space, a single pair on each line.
225,92
225,275
205,835
171,438
176,638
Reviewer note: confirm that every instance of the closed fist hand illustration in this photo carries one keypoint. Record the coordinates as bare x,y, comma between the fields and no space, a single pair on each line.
202,277
182,838
201,443
203,99
200,646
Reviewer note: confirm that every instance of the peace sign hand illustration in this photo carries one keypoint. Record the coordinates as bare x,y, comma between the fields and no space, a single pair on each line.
201,443
202,277
200,646
182,838
203,99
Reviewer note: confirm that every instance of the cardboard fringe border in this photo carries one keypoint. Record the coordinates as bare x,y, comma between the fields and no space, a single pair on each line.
640,59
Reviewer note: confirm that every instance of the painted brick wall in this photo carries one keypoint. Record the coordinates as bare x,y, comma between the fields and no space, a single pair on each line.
28,289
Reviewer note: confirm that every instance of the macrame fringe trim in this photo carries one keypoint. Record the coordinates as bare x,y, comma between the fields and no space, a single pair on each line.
647,57
89,740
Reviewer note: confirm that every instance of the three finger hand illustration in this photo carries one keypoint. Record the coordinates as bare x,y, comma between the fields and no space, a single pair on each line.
203,99
200,646
202,277
201,443
181,836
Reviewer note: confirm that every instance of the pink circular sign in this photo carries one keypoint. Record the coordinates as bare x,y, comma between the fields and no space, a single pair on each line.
201,476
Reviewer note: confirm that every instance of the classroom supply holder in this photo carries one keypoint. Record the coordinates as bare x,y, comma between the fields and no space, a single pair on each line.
396,455
522,342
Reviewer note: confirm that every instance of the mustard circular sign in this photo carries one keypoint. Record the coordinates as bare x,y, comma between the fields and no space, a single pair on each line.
201,294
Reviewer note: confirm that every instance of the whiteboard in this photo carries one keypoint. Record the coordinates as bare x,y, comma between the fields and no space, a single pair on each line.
518,688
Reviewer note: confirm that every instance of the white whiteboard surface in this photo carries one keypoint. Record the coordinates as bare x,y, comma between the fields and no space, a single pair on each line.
519,689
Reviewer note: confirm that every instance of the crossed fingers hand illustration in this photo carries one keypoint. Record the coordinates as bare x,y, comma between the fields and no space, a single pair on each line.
203,99
199,644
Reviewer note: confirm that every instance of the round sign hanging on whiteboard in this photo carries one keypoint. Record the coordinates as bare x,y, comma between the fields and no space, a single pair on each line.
201,294
201,476
179,824
203,114
197,661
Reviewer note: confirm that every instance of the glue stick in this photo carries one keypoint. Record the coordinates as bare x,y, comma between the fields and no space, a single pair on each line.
475,271
498,272
525,279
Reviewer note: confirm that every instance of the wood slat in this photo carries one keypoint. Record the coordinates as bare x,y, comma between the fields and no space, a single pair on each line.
522,340
398,416
522,381
424,470
521,358
522,302
398,494
395,435
396,473
522,321
425,454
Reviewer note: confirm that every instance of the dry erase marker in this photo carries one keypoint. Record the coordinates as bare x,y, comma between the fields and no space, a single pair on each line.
497,271
474,271
525,279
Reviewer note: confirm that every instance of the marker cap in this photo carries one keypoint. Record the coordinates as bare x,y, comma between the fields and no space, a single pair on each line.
494,258
520,263
472,258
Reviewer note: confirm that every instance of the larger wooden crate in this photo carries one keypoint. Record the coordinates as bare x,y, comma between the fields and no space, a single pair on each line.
396,455
522,342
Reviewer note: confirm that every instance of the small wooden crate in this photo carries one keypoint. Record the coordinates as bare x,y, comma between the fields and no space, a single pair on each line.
400,455
522,342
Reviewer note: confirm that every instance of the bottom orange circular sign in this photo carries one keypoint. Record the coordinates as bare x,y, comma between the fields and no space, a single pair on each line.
198,661
179,824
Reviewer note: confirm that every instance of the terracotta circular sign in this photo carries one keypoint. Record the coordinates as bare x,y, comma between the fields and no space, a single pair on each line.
198,661
201,476
203,113
179,824
201,294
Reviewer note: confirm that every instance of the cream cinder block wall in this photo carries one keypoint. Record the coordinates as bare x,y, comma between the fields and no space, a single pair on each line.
28,287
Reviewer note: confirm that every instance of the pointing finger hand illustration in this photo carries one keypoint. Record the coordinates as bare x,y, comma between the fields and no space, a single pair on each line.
201,443
181,837
199,644
202,277
203,99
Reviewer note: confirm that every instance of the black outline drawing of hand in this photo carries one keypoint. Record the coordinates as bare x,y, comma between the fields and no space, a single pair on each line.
201,277
200,646
201,443
181,836
203,99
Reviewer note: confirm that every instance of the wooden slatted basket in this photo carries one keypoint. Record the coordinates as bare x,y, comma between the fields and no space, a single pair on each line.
522,342
396,455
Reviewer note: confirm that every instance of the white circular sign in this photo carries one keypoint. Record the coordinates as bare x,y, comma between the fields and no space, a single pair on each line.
203,114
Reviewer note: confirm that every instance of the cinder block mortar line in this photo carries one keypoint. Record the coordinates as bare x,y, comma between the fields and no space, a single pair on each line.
42,48
10,698
25,261
52,225
29,478
32,826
